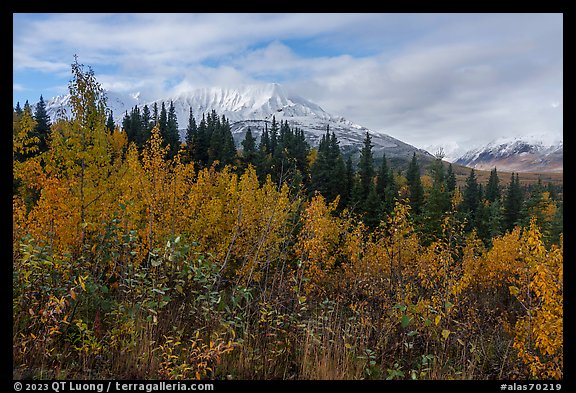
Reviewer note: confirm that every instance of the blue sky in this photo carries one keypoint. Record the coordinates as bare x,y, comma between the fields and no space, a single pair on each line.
432,80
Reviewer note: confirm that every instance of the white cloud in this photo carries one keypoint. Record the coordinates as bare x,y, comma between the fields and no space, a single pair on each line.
427,79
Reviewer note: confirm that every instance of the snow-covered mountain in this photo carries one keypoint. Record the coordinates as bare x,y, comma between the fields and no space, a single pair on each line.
253,106
526,154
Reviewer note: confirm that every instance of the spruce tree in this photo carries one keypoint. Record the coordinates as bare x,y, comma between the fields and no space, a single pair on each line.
172,134
200,152
512,203
110,122
337,181
147,122
163,124
320,170
155,115
438,202
450,180
493,187
216,139
273,135
471,199
228,152
136,128
372,208
249,153
366,167
18,109
349,184
415,187
191,136
43,124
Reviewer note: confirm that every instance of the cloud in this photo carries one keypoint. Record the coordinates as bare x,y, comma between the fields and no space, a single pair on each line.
453,79
18,87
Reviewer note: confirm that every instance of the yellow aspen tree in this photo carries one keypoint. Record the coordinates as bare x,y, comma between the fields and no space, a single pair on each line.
317,247
539,333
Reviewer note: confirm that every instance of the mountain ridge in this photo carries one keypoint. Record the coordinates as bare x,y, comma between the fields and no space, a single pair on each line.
516,154
254,106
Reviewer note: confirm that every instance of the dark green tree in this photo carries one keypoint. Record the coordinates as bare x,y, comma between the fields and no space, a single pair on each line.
513,203
249,153
386,186
372,208
438,203
191,136
43,124
450,180
415,188
172,134
228,152
273,135
349,184
493,187
155,115
200,149
147,122
320,170
110,125
366,167
163,123
470,199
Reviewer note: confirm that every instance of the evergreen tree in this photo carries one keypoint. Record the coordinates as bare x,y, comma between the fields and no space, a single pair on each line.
163,124
264,145
493,187
320,170
42,129
512,203
172,135
264,155
147,122
338,173
273,135
386,186
494,220
415,187
136,128
349,184
18,109
110,122
216,141
249,153
155,115
450,180
366,167
372,208
552,191
438,203
200,152
383,178
126,126
471,199
191,136
228,152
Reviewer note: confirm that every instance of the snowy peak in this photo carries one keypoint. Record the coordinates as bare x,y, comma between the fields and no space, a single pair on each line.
254,106
526,154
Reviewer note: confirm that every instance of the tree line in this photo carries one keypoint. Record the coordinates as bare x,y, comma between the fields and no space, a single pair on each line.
131,264
283,153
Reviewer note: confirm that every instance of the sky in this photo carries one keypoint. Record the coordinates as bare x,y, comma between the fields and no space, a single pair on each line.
450,81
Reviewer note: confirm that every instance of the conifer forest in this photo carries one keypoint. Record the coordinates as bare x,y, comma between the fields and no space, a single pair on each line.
138,254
